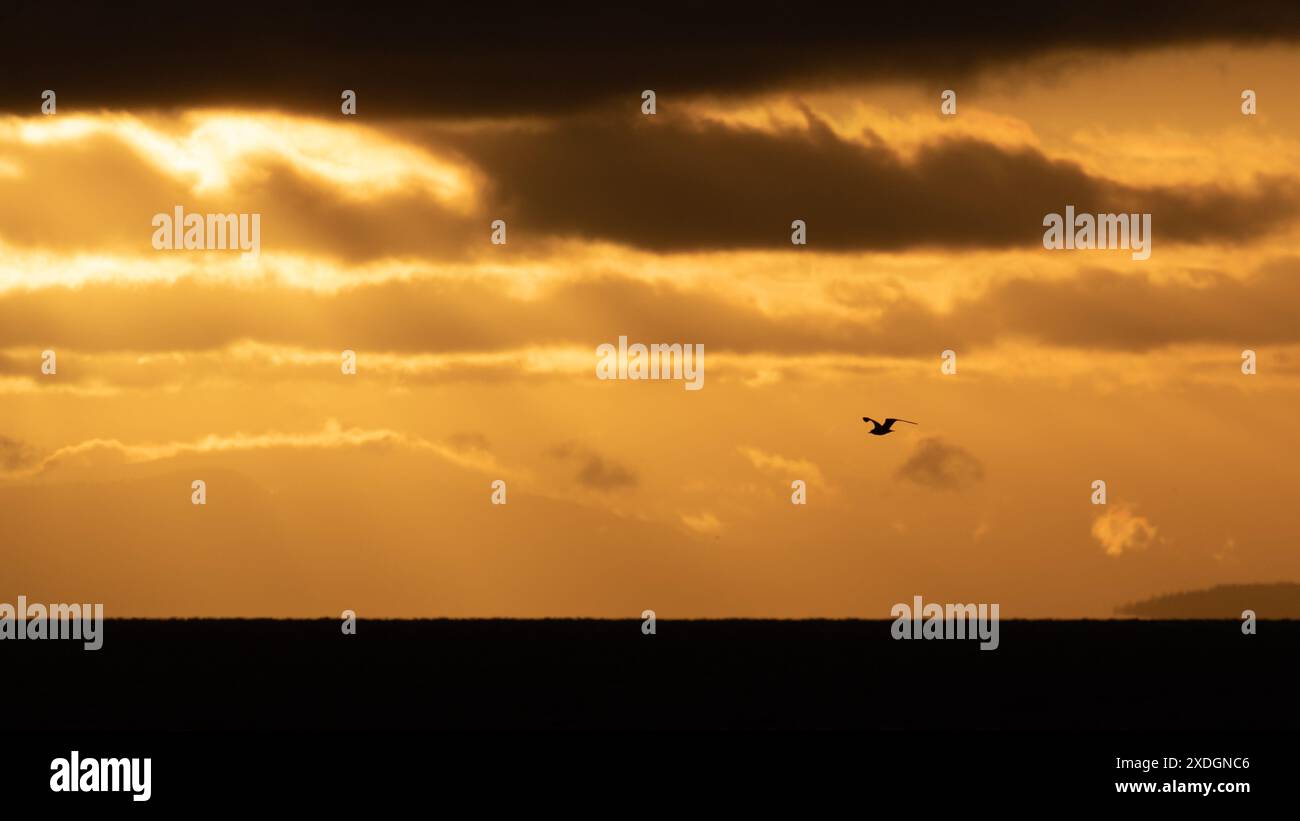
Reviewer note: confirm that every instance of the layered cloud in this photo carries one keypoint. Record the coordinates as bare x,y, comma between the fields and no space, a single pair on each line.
510,58
1097,310
19,461
692,185
687,184
475,361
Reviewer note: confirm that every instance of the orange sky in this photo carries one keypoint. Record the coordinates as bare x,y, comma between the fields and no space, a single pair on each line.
476,362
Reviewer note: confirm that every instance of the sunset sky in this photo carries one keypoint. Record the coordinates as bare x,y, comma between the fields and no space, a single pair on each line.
476,362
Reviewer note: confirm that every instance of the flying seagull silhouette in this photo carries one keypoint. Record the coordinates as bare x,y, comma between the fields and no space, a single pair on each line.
879,429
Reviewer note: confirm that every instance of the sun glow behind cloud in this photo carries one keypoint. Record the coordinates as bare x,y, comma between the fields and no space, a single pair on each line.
212,148
1071,367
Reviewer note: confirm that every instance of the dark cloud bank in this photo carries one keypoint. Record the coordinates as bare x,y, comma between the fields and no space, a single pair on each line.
515,57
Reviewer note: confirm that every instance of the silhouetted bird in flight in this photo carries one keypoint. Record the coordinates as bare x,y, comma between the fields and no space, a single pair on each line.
879,429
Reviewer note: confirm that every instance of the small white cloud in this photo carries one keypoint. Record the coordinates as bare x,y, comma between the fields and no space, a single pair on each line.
706,523
1120,531
1228,550
782,466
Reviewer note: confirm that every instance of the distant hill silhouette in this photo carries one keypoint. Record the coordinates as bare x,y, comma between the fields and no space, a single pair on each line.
1225,601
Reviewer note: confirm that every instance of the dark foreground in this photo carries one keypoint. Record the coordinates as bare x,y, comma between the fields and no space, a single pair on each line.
599,675
1054,696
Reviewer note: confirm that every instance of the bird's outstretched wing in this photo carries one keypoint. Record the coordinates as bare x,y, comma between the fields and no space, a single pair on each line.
891,420
869,419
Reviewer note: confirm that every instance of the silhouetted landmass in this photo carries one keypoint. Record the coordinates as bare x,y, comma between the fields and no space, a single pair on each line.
242,675
1225,601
